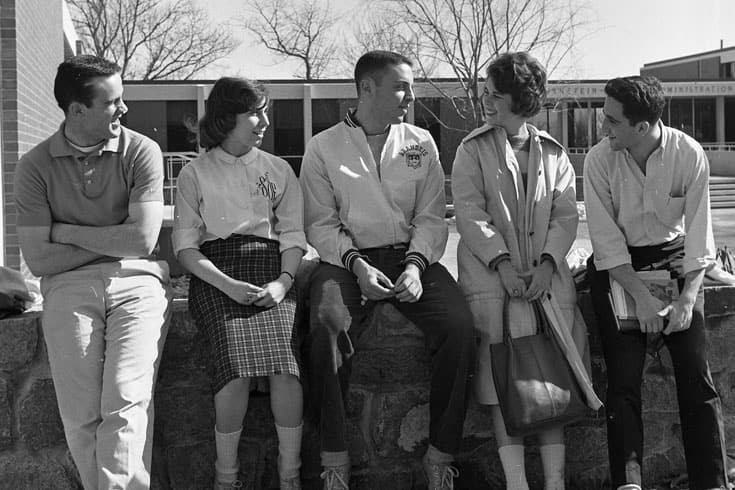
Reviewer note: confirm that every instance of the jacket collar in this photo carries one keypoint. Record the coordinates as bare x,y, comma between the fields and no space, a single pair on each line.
537,134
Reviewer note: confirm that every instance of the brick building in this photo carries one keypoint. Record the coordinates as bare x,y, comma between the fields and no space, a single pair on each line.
35,36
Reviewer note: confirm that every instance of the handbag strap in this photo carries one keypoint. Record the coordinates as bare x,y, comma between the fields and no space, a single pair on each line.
542,322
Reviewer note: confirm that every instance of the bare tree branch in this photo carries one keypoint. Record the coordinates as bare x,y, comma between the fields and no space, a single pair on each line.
151,39
301,29
462,37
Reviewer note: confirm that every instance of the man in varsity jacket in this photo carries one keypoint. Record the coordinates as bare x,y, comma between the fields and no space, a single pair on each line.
374,210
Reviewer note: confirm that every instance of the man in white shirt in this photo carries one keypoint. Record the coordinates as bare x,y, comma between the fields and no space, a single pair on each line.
647,199
374,210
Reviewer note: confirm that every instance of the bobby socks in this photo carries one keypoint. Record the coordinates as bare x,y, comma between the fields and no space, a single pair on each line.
552,459
289,450
227,464
511,457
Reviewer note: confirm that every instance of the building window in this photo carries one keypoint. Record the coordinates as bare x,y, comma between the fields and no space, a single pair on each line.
579,123
325,113
705,121
287,131
730,119
425,113
181,117
680,115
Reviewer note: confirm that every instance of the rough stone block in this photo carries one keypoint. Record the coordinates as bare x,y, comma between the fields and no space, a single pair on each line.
718,301
184,416
720,342
259,421
40,422
725,385
587,449
34,473
191,467
659,394
186,350
392,474
18,340
6,414
402,365
399,422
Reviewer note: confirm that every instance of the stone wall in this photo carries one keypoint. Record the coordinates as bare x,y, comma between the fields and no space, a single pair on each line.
388,410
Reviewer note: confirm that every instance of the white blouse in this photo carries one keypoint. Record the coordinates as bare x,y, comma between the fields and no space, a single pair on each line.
219,194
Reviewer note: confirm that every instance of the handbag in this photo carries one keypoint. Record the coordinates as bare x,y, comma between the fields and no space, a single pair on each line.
14,294
534,382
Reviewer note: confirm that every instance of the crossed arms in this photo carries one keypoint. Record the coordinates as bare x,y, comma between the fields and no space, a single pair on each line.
60,247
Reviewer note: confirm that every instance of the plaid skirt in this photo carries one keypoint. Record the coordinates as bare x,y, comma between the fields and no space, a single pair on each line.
247,341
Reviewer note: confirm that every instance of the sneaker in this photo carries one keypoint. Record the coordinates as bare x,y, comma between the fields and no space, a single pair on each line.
336,477
440,476
220,485
290,483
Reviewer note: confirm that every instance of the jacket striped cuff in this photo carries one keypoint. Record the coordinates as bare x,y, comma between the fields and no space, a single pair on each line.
416,259
350,256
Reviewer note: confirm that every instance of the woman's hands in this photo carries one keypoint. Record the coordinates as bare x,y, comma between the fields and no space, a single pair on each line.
531,285
268,296
514,285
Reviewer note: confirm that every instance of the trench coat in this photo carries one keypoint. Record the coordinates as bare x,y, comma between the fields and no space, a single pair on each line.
496,215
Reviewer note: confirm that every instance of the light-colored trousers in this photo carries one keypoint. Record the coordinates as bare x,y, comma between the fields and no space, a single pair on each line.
105,326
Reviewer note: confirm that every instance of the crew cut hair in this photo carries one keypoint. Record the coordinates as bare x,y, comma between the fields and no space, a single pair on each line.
372,64
74,76
523,77
642,98
229,97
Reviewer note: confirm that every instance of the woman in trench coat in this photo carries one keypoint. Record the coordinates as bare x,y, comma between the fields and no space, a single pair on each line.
515,202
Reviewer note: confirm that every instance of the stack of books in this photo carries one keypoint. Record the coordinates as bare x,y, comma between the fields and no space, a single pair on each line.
659,283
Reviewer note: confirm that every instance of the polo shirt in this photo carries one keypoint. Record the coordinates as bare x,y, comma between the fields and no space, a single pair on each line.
56,183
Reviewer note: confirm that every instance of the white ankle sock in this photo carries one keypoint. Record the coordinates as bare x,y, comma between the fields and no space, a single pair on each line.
514,466
552,459
289,450
227,464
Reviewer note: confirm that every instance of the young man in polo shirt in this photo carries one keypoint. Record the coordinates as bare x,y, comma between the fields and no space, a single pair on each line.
647,199
90,206
374,210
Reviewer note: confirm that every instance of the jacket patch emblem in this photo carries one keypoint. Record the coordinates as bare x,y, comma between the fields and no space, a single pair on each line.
414,155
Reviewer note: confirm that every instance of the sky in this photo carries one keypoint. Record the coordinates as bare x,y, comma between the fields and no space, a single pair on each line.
619,38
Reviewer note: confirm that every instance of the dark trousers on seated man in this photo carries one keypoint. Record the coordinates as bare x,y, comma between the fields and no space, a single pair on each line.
337,321
700,408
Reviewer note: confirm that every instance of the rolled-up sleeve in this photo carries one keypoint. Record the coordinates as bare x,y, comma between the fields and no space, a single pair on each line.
429,231
564,217
289,214
324,230
474,223
188,224
608,242
699,243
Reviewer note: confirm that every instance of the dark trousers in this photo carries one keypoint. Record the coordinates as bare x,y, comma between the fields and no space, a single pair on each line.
700,408
337,321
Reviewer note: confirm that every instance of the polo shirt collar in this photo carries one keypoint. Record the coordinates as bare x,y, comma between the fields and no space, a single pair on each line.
60,147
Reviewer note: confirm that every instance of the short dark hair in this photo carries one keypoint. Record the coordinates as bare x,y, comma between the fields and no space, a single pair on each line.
74,77
229,97
642,97
523,77
372,63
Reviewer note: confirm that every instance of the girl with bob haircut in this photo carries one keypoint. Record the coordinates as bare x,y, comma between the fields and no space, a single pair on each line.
515,202
238,230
